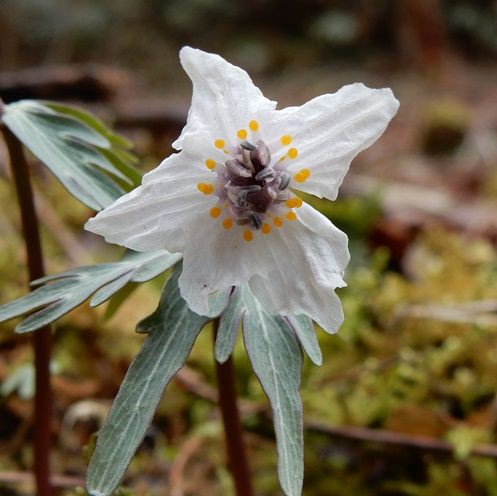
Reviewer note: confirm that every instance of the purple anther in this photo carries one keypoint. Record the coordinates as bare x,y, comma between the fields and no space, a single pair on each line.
265,174
246,160
237,168
255,220
284,182
246,145
264,153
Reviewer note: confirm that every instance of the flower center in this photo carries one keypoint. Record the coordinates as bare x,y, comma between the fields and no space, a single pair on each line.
251,185
252,190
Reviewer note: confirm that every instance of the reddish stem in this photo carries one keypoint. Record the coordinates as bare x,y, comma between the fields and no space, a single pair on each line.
235,447
42,339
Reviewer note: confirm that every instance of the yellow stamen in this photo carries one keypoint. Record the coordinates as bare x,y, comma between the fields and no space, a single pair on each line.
286,139
253,125
219,143
248,235
292,153
242,133
215,212
291,215
302,175
210,164
228,223
205,188
265,229
294,202
278,221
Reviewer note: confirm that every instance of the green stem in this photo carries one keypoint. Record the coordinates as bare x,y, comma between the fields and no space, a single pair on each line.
42,339
237,456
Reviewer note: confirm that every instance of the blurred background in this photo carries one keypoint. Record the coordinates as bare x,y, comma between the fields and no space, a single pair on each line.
405,403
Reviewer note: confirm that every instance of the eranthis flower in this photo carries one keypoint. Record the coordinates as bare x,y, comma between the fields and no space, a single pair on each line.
227,200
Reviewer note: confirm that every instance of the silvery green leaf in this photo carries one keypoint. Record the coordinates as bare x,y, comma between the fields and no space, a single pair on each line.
146,266
110,289
276,359
88,158
229,324
172,330
63,292
217,302
91,121
120,290
306,334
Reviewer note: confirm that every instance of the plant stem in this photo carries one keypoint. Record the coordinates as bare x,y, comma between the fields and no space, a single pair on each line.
235,447
42,339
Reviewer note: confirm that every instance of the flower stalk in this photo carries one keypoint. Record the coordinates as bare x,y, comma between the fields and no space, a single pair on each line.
235,446
42,339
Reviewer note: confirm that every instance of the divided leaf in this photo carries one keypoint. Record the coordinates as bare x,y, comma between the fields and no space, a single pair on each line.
65,291
218,302
89,159
172,330
276,358
300,325
306,334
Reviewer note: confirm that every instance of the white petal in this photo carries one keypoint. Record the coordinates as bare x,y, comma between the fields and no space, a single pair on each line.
305,258
320,303
215,259
156,214
224,97
330,130
309,262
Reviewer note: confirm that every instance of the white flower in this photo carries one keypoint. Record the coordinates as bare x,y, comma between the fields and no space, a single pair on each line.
227,202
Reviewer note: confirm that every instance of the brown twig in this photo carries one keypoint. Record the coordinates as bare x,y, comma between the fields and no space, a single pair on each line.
192,381
76,254
63,481
237,456
363,434
177,470
54,225
392,438
42,339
